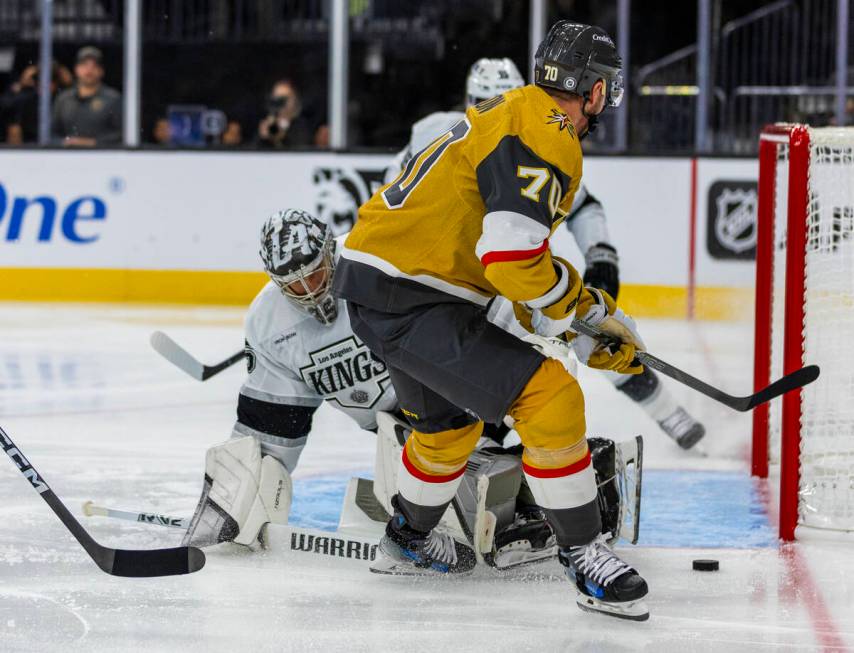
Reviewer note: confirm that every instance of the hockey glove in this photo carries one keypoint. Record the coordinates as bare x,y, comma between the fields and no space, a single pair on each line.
598,309
552,314
601,269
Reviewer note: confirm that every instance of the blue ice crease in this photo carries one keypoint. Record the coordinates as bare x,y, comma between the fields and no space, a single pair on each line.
679,509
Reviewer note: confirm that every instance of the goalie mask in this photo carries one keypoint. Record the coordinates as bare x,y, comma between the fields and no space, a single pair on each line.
298,252
490,77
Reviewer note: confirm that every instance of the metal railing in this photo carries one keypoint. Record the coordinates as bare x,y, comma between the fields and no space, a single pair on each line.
781,61
94,21
210,21
664,103
776,63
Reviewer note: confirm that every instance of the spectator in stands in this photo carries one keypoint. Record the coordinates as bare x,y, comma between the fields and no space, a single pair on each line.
89,114
233,134
162,132
22,102
284,127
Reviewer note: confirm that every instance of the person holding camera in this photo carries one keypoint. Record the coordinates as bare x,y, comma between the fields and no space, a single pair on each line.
284,127
22,102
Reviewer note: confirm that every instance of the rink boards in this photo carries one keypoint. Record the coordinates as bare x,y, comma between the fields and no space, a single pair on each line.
182,226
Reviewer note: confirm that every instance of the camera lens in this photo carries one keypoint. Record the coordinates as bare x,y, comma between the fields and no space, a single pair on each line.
277,103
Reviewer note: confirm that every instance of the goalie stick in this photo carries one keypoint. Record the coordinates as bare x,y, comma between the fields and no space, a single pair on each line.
117,562
181,358
356,547
797,379
90,509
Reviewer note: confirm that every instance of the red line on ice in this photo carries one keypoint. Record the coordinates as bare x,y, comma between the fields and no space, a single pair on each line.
804,586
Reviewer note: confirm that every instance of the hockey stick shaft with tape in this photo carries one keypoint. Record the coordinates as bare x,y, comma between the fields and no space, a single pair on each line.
184,360
117,562
797,379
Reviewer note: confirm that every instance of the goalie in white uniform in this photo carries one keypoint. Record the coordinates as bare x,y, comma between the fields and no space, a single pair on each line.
586,221
302,351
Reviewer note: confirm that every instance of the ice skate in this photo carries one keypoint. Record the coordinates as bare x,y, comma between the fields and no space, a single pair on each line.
683,428
605,583
529,539
405,551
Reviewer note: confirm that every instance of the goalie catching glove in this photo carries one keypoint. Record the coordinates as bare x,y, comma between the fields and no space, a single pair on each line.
243,492
553,313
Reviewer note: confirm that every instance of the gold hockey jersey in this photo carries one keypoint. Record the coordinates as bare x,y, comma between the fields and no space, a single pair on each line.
470,216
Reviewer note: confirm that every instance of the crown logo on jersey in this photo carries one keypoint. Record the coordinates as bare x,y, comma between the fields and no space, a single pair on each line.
561,120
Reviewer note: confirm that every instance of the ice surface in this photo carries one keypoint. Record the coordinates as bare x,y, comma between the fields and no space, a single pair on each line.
103,417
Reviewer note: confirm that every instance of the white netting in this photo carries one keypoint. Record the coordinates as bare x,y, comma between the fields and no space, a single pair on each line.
826,493
781,189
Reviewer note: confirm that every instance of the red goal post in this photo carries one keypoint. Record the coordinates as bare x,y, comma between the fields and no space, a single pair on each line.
804,285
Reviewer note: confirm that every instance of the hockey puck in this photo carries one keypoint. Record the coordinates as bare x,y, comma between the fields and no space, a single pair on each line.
706,565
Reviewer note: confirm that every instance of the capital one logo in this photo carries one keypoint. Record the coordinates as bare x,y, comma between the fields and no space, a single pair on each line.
49,219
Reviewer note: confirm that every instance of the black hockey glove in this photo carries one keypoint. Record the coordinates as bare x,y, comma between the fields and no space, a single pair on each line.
601,269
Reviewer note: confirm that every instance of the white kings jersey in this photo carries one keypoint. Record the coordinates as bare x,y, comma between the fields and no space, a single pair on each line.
294,360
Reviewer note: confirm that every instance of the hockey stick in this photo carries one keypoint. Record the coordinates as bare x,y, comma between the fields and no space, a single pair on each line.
181,358
797,379
90,509
292,538
117,562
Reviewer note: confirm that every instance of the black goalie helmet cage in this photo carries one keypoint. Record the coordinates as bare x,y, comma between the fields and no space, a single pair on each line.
294,246
574,56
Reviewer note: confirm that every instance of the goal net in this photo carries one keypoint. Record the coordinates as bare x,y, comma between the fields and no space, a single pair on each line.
805,315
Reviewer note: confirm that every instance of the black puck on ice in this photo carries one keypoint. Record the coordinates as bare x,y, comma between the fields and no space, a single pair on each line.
706,565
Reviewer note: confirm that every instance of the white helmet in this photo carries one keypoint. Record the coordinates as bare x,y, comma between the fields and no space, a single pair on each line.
490,77
294,247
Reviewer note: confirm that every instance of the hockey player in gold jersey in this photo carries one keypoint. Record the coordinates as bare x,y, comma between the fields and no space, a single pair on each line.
469,218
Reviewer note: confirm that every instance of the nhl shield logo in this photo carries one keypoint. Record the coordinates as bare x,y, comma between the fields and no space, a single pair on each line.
732,220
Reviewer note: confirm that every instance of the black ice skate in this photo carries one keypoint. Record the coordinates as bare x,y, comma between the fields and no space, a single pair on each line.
407,552
527,540
683,428
605,583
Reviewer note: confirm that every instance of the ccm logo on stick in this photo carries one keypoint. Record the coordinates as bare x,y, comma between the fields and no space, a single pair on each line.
23,464
44,210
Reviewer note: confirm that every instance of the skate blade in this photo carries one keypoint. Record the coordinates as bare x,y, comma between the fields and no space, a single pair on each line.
389,567
631,610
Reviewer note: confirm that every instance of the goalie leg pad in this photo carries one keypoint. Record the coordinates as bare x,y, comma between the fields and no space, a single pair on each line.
243,491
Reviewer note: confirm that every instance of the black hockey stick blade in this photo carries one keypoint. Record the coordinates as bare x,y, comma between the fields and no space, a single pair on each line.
797,379
184,360
793,381
157,562
117,562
